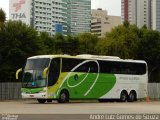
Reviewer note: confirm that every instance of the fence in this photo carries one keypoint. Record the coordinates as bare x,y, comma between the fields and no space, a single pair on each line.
9,91
154,90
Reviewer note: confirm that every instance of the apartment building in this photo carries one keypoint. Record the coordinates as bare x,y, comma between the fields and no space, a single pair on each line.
101,22
78,16
155,8
137,12
52,16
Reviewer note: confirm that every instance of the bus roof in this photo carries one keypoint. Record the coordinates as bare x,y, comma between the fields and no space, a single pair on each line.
88,56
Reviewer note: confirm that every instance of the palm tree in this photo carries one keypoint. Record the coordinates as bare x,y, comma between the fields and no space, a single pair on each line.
2,16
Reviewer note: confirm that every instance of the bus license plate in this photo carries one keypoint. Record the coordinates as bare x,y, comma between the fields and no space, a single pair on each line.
31,95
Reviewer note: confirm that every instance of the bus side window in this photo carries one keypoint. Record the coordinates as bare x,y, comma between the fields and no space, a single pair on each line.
54,71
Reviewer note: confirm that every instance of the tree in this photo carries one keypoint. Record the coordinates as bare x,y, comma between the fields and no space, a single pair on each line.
129,42
87,43
17,42
48,43
149,50
122,41
2,16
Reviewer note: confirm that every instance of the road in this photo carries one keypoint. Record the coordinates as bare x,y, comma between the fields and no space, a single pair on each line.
32,107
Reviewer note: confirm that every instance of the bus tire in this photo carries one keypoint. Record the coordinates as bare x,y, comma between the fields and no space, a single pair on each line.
41,101
132,96
123,96
49,100
64,96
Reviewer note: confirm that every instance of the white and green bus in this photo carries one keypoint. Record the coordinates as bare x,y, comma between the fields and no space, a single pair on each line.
65,77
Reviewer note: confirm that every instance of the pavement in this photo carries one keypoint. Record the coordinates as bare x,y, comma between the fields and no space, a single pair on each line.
32,110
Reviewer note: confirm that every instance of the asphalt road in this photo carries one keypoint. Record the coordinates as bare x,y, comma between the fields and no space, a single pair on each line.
86,108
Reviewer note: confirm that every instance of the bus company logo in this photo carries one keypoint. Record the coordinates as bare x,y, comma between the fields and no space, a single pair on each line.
19,5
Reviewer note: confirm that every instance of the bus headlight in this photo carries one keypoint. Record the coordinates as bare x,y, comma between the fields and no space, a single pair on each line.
43,91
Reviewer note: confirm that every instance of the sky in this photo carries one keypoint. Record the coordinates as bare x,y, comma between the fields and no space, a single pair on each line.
112,6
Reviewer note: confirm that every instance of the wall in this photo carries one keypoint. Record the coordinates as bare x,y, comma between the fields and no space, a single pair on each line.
154,90
10,91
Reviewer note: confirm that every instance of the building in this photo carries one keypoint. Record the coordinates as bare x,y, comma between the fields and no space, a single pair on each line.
129,12
137,12
101,22
52,16
43,15
78,16
144,13
155,14
20,10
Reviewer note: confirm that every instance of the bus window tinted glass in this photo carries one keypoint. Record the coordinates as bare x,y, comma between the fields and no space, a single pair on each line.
54,71
115,67
34,64
110,67
69,64
84,65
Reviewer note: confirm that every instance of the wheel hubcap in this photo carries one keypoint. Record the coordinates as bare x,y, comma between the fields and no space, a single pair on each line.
123,97
63,97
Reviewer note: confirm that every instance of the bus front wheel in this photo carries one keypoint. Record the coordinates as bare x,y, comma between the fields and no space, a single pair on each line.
64,97
41,101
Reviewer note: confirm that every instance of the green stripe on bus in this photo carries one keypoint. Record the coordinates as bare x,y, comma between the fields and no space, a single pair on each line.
102,86
31,91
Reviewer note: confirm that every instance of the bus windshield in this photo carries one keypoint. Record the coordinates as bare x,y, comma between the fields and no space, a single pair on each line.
33,73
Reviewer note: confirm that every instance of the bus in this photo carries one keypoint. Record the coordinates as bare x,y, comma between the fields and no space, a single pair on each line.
65,77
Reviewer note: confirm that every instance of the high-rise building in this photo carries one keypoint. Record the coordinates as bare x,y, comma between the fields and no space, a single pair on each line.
129,11
78,16
43,15
137,12
144,13
52,16
101,22
156,14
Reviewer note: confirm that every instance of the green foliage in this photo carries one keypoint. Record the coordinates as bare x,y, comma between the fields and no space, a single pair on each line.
149,50
130,42
87,43
17,42
48,43
126,24
2,16
121,41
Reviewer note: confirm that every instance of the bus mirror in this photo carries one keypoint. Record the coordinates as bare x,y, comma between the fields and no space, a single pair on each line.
45,72
17,73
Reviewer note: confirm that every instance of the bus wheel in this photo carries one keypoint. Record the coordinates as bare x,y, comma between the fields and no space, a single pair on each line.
41,100
64,97
123,96
132,96
49,100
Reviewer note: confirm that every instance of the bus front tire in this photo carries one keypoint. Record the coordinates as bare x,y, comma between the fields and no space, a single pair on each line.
123,96
64,97
49,100
41,101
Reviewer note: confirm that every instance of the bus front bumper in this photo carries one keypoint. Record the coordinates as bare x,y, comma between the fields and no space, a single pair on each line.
37,95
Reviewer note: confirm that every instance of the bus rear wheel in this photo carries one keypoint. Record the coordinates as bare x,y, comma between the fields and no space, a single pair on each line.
132,97
64,97
41,101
